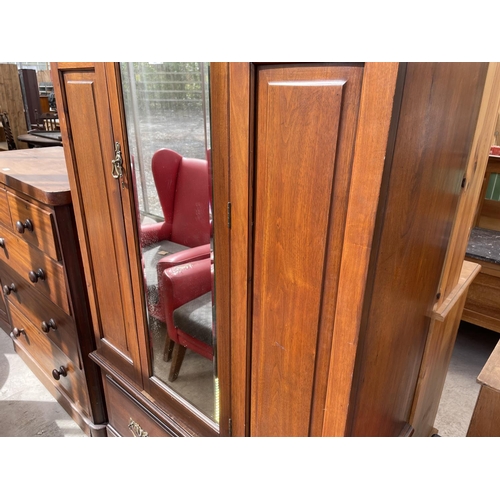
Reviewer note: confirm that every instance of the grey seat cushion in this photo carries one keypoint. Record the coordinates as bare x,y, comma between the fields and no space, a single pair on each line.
195,318
151,255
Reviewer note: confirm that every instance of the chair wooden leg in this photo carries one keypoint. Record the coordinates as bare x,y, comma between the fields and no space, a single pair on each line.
177,358
169,347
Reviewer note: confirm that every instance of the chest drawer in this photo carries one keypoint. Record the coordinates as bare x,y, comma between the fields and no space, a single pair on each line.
60,328
33,224
24,259
49,358
4,209
128,417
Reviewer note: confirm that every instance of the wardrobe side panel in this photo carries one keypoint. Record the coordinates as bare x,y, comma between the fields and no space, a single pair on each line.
437,120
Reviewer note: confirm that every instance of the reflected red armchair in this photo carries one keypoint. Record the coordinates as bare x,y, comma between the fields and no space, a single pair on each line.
182,185
187,298
183,190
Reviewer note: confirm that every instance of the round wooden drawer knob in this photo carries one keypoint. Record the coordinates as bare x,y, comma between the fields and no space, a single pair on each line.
7,289
47,325
20,226
16,332
34,276
57,374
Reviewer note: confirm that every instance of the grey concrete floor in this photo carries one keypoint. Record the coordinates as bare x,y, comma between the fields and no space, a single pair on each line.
27,409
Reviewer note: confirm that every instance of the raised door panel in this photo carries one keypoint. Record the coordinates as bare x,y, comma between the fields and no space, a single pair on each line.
99,214
300,120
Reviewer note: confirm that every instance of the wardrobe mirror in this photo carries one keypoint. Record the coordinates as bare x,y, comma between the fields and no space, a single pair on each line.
167,110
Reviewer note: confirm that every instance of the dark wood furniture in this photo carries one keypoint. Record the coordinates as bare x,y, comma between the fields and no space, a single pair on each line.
31,96
41,139
339,247
11,100
9,144
45,304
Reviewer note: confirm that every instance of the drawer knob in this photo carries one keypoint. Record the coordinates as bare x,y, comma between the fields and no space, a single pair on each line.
34,276
2,242
47,325
22,226
57,374
7,289
16,332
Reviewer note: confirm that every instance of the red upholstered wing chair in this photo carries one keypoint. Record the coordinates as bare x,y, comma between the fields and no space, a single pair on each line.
183,190
187,299
182,185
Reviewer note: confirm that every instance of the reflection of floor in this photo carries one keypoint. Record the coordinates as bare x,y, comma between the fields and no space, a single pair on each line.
195,382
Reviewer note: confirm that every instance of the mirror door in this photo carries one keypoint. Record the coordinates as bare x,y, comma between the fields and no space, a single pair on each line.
167,115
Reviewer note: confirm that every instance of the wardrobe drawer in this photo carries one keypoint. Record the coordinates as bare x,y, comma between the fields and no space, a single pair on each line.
49,358
33,224
4,209
42,313
25,259
127,416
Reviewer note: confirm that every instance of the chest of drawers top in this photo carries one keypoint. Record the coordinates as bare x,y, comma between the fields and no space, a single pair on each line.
39,173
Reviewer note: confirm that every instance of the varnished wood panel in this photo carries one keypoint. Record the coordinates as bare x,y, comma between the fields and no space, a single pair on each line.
23,258
435,363
437,353
482,306
4,209
38,309
80,94
371,147
473,181
485,420
39,173
490,374
48,357
297,129
124,411
98,207
231,360
42,235
486,417
437,121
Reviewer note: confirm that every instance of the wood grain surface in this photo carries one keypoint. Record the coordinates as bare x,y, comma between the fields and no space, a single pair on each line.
40,173
298,121
421,200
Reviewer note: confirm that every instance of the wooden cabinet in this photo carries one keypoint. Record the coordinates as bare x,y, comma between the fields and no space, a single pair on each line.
43,288
335,193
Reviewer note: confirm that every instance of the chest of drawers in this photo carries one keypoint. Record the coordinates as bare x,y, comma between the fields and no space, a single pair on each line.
44,302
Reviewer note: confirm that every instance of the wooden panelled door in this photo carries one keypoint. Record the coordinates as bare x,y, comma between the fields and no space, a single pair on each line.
87,130
305,128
